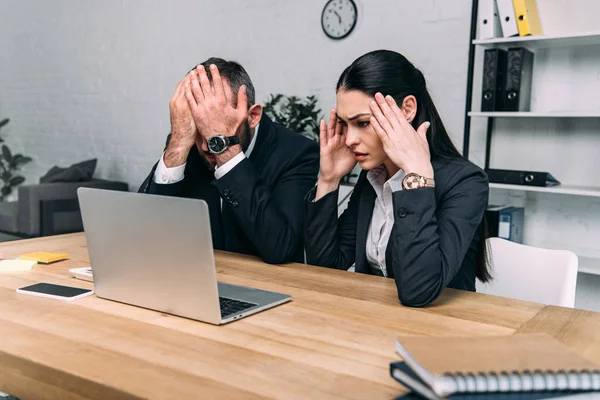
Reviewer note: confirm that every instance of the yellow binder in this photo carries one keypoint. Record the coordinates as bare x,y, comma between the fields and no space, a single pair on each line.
528,18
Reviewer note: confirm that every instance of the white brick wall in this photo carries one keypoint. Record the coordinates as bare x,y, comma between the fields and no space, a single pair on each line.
93,79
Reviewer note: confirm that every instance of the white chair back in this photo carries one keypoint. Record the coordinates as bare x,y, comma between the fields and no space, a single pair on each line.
531,273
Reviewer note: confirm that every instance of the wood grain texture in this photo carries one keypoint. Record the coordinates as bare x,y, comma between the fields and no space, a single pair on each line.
335,339
578,329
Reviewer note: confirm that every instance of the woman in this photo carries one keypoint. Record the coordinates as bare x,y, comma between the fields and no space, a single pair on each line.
416,213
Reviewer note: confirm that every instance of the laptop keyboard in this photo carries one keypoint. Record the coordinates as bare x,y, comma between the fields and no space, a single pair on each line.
231,306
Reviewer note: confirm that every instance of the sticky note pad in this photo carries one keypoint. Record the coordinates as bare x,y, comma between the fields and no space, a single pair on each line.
16,265
44,257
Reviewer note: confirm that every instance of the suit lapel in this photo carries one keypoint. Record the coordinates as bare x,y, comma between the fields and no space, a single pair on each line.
265,143
263,148
389,258
365,213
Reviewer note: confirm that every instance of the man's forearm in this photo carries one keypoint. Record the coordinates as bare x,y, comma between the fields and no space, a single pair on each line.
176,154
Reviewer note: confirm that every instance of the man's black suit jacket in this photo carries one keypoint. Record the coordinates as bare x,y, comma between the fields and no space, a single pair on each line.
435,241
262,197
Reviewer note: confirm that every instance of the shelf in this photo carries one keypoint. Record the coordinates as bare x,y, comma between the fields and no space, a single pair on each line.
589,265
589,191
541,41
529,114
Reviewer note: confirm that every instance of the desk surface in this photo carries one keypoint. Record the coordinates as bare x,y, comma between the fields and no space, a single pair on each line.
334,340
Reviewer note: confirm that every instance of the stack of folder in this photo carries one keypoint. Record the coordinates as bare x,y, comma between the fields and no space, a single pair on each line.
506,18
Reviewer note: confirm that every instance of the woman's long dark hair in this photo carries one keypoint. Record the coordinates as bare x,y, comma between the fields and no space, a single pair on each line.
390,73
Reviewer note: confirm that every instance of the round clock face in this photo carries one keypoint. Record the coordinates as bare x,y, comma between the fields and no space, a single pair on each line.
339,18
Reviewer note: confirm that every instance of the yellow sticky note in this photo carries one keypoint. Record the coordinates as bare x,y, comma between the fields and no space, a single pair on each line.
44,257
16,265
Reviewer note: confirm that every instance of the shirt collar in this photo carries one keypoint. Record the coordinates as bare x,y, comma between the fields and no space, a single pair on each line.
252,142
377,176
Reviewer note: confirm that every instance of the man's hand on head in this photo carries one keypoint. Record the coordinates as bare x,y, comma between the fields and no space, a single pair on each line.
212,111
183,128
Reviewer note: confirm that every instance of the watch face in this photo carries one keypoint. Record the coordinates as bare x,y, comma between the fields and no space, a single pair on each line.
413,182
339,18
216,144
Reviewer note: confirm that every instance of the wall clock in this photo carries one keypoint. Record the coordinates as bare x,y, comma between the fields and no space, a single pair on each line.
339,18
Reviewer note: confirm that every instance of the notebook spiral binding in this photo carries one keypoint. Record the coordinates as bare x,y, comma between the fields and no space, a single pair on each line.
526,381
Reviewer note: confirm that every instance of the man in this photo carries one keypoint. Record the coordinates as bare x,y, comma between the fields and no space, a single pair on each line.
252,172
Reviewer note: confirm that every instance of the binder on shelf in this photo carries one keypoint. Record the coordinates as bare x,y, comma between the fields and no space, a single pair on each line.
519,74
506,12
528,18
506,222
489,21
527,178
494,71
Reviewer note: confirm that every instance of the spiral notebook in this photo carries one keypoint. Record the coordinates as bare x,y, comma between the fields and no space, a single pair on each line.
525,363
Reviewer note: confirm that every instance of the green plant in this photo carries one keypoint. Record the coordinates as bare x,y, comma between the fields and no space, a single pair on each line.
9,166
302,116
299,115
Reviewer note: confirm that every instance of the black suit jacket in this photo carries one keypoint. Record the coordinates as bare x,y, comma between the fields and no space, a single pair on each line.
263,196
434,241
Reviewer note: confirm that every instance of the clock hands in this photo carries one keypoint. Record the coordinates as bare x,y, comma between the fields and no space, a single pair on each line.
338,15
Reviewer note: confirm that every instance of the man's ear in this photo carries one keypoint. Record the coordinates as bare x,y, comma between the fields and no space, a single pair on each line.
254,115
409,107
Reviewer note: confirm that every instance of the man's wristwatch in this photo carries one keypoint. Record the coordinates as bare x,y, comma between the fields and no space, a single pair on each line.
416,181
218,144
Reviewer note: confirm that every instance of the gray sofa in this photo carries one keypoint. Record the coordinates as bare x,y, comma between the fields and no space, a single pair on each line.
48,208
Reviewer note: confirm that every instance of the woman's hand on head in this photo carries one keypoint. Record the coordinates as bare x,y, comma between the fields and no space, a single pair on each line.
336,159
406,148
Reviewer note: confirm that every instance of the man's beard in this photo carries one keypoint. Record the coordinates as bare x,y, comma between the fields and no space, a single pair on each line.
244,134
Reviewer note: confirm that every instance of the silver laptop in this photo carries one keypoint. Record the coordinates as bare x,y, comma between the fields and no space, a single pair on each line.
156,252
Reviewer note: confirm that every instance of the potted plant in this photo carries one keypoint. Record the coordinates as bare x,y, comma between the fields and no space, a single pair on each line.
299,115
10,164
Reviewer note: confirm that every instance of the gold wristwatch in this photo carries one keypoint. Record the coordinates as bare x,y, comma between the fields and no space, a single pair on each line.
416,181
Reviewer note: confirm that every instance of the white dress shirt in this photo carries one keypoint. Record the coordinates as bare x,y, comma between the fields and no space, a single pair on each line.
164,175
382,221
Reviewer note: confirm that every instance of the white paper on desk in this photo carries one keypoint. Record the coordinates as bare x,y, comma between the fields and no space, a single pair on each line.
16,265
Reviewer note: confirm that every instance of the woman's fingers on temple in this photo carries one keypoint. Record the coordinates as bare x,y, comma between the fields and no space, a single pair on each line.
381,119
332,123
323,132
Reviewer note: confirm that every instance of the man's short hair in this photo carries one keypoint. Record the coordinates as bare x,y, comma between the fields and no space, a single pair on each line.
234,74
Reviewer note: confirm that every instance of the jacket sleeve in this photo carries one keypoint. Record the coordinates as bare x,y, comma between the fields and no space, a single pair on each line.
271,217
331,241
430,245
194,168
149,186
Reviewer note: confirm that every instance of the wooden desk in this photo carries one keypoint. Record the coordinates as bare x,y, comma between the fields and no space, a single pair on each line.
334,340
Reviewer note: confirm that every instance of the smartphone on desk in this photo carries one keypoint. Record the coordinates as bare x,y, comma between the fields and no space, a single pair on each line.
84,273
58,292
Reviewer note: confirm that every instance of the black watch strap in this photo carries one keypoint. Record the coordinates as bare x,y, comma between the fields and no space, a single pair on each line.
231,140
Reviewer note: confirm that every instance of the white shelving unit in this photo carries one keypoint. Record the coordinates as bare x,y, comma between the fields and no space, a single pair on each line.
543,42
528,114
559,134
589,265
572,190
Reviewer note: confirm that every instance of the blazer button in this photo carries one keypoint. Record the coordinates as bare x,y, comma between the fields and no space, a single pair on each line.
226,192
235,203
402,212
